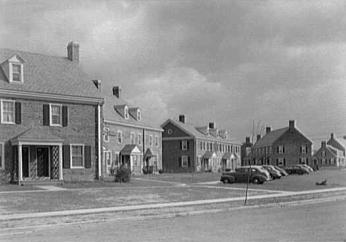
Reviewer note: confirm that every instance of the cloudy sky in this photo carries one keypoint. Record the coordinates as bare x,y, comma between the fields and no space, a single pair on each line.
232,62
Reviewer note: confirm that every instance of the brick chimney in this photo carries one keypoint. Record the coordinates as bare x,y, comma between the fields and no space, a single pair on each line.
332,135
258,137
182,118
116,91
73,51
247,140
268,129
291,125
211,125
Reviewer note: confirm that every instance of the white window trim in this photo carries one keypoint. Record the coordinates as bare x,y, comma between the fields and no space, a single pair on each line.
71,163
110,156
133,141
281,149
106,130
182,145
139,115
2,161
182,161
121,137
50,115
150,140
21,72
2,109
139,138
126,112
157,141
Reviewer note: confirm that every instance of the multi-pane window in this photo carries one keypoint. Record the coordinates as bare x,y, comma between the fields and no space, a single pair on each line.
55,115
281,161
132,138
2,158
156,141
126,112
77,156
323,153
139,139
120,136
139,114
106,134
108,157
150,140
303,149
184,161
281,149
16,72
184,145
7,111
200,145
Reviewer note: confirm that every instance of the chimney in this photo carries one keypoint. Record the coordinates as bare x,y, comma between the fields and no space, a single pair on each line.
323,144
211,125
247,140
332,135
116,91
73,51
97,83
268,129
291,124
182,118
258,137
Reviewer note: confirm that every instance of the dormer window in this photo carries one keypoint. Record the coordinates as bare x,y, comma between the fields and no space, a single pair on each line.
138,114
126,112
15,65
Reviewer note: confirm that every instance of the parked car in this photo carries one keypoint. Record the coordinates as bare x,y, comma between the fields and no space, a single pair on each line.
244,174
307,167
296,170
281,170
275,174
260,169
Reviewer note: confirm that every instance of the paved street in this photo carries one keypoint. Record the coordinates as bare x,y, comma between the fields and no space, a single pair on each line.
311,222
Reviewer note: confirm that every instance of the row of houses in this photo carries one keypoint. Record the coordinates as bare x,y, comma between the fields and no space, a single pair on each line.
289,146
57,124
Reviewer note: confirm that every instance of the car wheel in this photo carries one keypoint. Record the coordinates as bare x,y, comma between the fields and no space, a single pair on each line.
256,180
225,181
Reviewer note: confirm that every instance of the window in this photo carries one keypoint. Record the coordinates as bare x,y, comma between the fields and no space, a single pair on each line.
8,111
323,153
132,138
150,140
139,114
120,136
184,145
106,134
281,149
139,139
302,160
303,149
156,141
200,145
184,161
55,115
108,157
77,156
2,156
16,72
126,112
281,161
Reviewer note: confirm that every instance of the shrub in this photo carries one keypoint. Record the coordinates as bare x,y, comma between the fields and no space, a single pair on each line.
123,174
148,170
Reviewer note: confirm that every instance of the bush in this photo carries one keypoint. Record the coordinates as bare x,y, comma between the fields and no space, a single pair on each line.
148,170
123,174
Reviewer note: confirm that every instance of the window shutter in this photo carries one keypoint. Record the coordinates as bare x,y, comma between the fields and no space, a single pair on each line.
181,145
277,149
87,156
187,144
179,161
283,149
18,113
64,116
45,114
66,157
301,149
188,162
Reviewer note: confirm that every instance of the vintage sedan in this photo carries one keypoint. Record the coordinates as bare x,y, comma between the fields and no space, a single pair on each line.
244,174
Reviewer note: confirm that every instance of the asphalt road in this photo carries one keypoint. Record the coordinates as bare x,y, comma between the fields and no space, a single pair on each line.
313,222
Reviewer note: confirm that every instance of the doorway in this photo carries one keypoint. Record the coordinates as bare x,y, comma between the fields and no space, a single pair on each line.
42,162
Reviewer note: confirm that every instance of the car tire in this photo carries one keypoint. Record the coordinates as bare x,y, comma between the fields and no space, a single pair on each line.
256,180
225,181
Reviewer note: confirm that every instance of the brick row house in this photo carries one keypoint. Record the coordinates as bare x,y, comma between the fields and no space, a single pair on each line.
49,118
128,139
189,148
331,153
283,147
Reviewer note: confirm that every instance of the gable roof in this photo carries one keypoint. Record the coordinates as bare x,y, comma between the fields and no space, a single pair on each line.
196,132
111,114
129,149
270,138
37,134
49,75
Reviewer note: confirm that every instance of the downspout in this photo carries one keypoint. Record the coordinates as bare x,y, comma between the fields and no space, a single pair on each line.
99,140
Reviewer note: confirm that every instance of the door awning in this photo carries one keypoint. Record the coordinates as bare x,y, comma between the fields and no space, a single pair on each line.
130,149
39,135
227,156
208,155
148,154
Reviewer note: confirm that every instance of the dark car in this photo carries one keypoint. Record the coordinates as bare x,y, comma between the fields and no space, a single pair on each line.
275,174
244,174
281,170
296,170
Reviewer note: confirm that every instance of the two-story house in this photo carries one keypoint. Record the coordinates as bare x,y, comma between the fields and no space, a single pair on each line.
246,148
128,139
190,148
49,118
283,147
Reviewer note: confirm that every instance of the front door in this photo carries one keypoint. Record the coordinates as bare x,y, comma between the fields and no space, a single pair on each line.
25,160
42,162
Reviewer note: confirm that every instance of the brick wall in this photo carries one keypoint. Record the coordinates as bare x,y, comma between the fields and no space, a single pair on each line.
81,129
